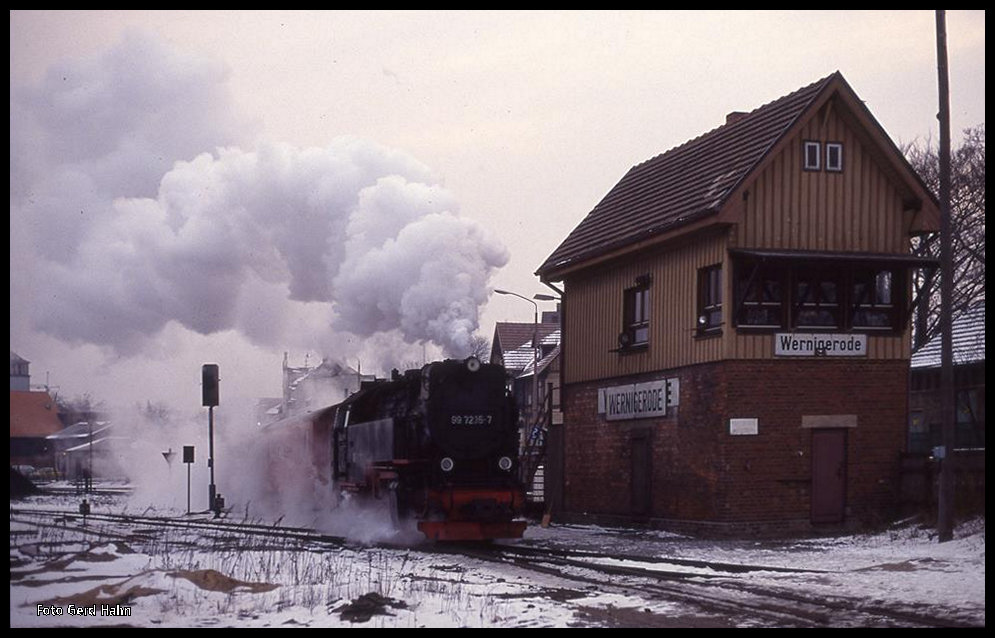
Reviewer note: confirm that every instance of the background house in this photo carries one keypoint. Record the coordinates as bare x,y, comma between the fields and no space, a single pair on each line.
531,354
71,447
33,417
925,431
307,388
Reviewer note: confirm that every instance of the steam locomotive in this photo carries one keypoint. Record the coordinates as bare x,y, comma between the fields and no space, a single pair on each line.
438,444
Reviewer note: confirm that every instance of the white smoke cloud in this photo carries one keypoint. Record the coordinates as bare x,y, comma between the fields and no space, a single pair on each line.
144,208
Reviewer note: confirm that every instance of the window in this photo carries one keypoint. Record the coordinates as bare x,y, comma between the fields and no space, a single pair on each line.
834,157
636,315
919,440
970,424
811,155
790,294
710,300
760,289
872,299
816,300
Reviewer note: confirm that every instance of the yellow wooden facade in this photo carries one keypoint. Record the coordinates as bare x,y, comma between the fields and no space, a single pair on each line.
865,208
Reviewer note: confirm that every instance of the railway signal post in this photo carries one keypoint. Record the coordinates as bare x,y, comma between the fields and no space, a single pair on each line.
188,456
210,383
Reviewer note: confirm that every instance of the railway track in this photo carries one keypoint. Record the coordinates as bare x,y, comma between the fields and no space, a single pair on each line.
714,587
721,592
137,524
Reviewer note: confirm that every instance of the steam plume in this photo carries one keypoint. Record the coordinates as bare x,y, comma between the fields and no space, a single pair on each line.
144,208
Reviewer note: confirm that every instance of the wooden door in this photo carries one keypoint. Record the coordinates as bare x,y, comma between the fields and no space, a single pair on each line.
828,475
642,468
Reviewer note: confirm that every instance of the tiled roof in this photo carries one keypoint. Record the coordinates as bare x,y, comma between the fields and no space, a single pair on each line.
519,358
968,331
33,414
691,181
546,360
513,341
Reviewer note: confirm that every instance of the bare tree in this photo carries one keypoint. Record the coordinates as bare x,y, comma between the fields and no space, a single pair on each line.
967,206
480,347
82,407
156,413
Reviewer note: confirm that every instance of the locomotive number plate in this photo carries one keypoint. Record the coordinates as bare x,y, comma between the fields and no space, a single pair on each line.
471,419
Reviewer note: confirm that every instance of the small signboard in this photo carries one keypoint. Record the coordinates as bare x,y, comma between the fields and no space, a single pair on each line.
743,427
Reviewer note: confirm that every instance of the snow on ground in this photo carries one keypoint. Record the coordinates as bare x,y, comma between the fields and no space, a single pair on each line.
905,564
182,579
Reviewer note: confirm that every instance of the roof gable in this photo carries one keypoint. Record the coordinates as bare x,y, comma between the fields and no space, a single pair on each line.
700,178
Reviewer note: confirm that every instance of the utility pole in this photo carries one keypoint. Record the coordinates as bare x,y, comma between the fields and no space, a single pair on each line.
945,501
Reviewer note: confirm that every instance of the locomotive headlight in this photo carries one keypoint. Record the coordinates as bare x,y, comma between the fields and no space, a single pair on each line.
504,463
446,464
472,364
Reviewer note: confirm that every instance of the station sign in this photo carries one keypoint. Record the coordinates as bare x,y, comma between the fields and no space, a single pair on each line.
638,400
792,344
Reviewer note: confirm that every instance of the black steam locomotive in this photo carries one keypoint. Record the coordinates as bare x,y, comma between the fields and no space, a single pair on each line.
440,444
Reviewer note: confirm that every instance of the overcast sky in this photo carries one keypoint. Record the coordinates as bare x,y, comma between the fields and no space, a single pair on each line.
190,187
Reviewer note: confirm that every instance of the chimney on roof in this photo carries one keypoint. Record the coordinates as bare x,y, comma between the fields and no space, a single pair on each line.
735,116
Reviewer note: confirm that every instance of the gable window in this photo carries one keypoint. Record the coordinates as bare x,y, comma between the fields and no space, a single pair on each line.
636,314
834,157
710,300
811,155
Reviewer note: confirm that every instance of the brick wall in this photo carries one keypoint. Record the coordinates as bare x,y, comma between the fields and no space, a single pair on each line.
702,473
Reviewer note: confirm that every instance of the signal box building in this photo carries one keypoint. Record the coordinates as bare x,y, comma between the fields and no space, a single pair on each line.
735,347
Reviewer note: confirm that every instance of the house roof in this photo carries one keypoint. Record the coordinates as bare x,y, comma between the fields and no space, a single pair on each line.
513,342
968,332
547,359
81,430
33,415
697,179
97,444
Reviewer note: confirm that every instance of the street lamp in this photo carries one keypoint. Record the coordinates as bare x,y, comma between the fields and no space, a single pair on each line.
535,342
542,297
